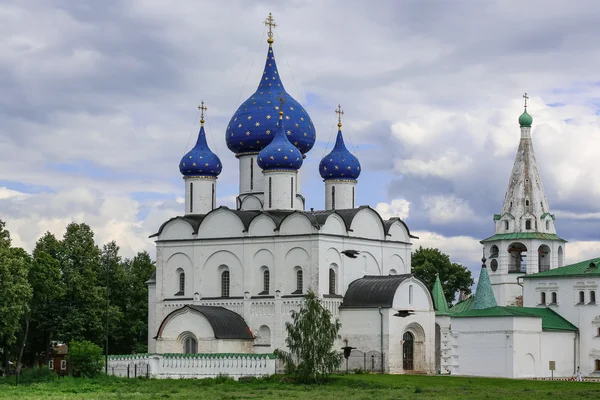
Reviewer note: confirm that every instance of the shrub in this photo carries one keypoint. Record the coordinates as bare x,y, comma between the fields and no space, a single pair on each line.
86,359
37,374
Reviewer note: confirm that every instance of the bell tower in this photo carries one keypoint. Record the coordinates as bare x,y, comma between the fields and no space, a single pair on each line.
525,239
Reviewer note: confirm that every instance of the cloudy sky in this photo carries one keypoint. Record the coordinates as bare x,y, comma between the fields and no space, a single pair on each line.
98,104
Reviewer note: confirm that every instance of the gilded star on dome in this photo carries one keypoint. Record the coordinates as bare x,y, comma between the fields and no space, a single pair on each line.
336,167
271,157
249,116
278,149
287,117
239,125
206,165
285,157
268,117
257,124
268,132
248,133
289,132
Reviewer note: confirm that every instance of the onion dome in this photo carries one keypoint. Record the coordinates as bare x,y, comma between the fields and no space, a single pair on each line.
253,125
525,119
280,154
339,164
200,161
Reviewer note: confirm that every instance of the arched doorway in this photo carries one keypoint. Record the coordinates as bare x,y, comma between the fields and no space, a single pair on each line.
408,351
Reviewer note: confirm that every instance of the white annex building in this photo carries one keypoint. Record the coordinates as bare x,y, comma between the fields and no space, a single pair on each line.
227,279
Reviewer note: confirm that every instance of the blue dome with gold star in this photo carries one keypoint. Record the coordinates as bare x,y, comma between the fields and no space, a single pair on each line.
280,154
200,161
339,164
253,125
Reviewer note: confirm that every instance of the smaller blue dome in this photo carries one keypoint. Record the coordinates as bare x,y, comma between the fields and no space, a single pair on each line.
339,164
200,161
280,154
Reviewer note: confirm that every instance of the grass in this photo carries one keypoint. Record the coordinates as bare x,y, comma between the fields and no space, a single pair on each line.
348,387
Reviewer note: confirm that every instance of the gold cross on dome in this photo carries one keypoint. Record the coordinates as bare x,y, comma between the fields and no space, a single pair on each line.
525,97
339,112
202,108
270,22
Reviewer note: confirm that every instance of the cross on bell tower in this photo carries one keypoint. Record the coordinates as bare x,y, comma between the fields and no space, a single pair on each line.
525,97
270,22
202,108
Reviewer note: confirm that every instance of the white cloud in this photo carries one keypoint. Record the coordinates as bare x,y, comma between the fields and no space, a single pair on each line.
396,208
445,209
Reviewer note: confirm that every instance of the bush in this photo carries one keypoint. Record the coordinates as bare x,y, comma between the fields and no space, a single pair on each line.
86,359
37,374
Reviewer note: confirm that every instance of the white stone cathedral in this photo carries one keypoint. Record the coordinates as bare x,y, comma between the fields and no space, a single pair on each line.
227,279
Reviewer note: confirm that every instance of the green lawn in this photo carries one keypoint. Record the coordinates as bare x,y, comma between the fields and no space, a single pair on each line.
350,387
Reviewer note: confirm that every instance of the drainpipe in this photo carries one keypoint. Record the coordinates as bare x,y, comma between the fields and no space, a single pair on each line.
381,337
575,352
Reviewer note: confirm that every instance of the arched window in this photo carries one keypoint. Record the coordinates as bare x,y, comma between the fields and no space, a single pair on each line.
527,203
181,282
543,298
299,281
560,256
191,196
331,281
190,346
528,224
581,297
592,297
596,365
225,284
410,294
553,298
505,225
494,251
393,272
547,225
264,336
266,281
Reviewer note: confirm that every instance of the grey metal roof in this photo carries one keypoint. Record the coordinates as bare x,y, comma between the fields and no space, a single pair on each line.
318,218
373,291
226,324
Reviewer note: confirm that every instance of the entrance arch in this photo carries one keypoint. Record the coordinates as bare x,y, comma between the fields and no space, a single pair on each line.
408,351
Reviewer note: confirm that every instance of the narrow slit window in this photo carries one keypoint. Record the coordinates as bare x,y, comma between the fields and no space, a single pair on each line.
182,283
252,174
543,298
553,298
333,197
214,199
292,192
505,225
191,196
581,297
592,297
527,203
528,224
266,281
331,281
270,197
299,281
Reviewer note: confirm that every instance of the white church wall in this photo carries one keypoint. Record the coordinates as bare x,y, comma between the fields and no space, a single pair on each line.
362,328
412,294
560,348
334,226
175,264
215,264
296,224
181,326
221,223
151,317
261,226
367,224
398,232
177,229
263,260
584,315
251,201
484,348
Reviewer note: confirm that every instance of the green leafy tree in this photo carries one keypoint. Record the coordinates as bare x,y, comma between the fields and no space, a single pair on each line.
311,335
15,291
83,311
86,358
116,292
427,262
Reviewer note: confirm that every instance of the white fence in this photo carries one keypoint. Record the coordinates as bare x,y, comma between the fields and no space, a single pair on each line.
177,366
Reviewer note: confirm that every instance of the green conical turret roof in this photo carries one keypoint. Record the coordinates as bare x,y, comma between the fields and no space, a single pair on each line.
439,300
484,296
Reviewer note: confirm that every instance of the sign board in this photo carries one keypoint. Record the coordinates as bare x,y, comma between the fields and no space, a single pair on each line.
552,365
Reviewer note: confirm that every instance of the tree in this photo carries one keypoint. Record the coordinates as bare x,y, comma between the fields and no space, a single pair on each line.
83,311
86,358
15,291
310,341
427,262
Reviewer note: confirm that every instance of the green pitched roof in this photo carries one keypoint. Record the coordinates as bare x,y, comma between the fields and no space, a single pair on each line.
523,235
439,300
551,321
582,268
484,296
464,305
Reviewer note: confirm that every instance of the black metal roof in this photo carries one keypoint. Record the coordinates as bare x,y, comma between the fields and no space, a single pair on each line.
373,291
318,218
226,324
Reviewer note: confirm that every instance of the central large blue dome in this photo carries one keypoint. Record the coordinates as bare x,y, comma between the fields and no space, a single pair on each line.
254,124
